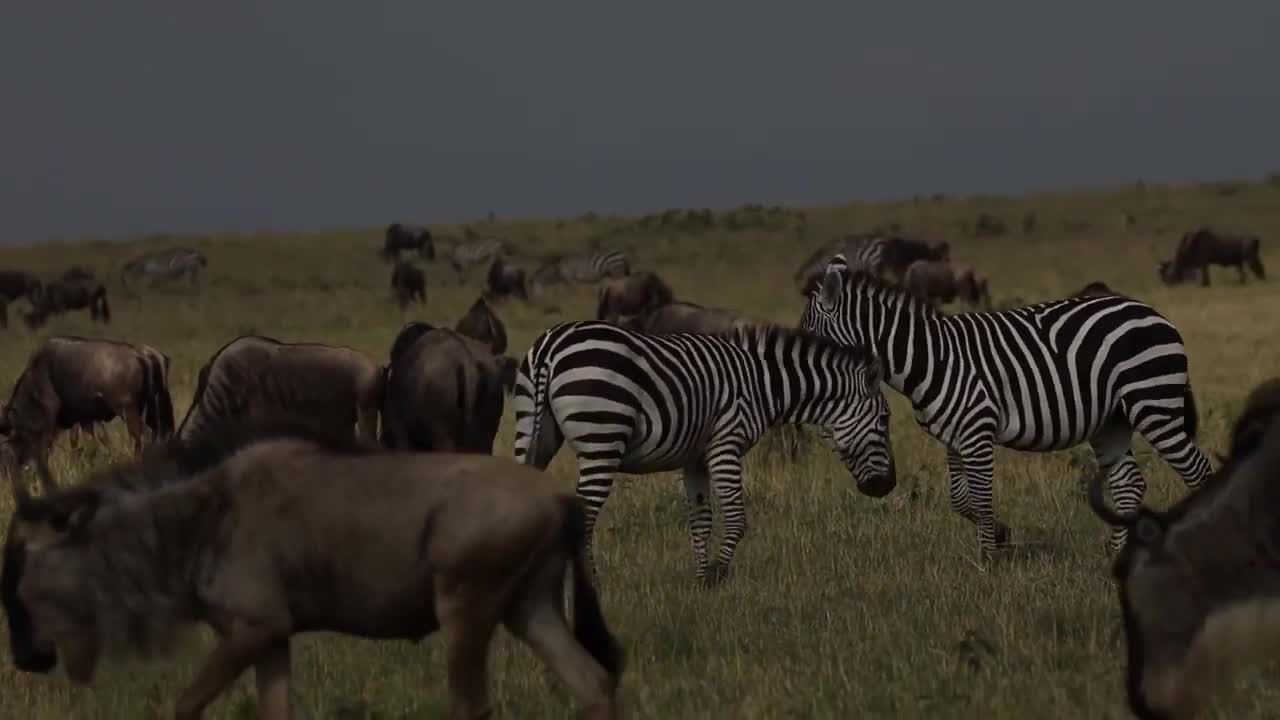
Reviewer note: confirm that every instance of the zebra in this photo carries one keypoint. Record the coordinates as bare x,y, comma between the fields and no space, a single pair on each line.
593,267
1038,378
165,264
866,251
637,403
467,253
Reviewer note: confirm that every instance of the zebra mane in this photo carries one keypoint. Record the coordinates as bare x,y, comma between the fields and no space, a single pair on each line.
756,335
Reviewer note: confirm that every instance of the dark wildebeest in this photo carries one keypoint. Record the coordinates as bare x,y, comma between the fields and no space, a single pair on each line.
1199,584
408,237
255,376
505,279
938,282
1095,288
409,282
482,324
73,381
1204,247
62,296
900,252
16,284
686,317
443,391
631,296
262,535
168,264
78,273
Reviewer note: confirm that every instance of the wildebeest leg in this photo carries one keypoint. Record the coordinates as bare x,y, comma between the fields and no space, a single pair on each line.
468,618
697,488
538,621
133,421
239,647
272,675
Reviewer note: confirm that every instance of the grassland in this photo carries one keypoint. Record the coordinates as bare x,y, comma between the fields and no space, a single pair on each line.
841,606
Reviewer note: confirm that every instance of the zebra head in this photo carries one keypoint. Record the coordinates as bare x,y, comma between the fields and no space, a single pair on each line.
858,428
829,303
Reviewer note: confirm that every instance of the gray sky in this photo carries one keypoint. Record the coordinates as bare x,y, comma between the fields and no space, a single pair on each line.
131,116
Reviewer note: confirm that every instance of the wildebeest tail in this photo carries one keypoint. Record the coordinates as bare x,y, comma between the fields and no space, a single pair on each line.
589,626
1098,502
1254,258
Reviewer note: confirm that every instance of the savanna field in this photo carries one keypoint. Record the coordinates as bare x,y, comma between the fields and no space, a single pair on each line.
840,605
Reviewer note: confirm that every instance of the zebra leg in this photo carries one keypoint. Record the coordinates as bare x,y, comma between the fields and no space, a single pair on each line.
979,470
960,497
726,480
1113,449
697,488
595,479
1167,434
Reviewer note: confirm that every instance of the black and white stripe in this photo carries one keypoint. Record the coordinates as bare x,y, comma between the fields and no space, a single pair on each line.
1045,377
593,267
635,403
165,264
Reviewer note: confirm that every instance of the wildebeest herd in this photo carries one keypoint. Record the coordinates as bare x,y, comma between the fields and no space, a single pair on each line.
227,519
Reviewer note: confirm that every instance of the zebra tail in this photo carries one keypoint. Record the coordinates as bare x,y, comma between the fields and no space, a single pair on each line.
1190,415
1098,502
541,409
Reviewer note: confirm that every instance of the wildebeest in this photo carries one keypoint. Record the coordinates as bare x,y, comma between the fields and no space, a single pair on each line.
687,317
1204,247
1199,584
1097,287
168,264
264,535
900,252
633,295
62,296
16,284
505,279
940,282
444,391
483,324
255,376
78,273
73,381
409,282
399,237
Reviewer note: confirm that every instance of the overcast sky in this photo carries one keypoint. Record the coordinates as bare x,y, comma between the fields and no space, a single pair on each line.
142,116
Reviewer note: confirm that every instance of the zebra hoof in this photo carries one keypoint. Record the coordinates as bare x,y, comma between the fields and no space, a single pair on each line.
1002,535
716,574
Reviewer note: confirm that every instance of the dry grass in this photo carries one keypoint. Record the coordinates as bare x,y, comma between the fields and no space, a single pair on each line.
840,606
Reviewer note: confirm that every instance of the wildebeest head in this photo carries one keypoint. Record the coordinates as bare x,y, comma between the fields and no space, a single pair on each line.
1196,584
481,323
42,585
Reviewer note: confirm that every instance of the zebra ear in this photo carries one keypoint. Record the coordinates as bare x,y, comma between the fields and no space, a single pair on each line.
832,284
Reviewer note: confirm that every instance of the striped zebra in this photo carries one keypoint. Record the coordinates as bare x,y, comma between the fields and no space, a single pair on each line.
468,253
861,252
167,264
636,403
594,267
1039,378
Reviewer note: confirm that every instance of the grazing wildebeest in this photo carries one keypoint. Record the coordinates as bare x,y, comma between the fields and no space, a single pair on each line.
409,282
938,282
265,535
505,279
62,296
443,391
78,273
863,251
900,252
1097,287
408,237
1204,247
1199,584
168,264
255,376
16,284
73,381
477,251
639,403
632,296
483,324
1088,370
